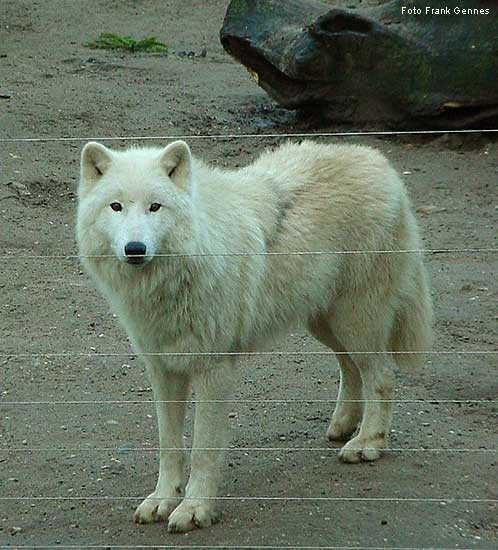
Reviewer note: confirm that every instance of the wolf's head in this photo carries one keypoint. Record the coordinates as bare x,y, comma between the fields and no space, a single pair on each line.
136,203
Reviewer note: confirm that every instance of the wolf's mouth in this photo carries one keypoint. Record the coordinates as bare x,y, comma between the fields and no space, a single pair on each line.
135,260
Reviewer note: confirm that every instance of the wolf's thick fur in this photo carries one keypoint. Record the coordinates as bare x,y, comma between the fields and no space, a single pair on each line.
298,198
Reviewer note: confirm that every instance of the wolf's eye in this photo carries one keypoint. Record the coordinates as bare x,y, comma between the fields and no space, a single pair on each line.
154,207
116,206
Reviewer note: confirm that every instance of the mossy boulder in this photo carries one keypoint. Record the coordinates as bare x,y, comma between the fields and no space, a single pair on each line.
381,64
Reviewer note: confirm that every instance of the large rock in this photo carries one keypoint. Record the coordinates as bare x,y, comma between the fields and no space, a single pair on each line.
374,65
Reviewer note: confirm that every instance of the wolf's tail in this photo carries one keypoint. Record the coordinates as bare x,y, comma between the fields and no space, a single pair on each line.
412,330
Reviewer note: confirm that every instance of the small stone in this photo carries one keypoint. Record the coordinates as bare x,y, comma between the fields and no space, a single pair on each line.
430,209
125,448
18,187
116,468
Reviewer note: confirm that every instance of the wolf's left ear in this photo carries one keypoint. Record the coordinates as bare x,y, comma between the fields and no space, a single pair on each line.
95,161
176,162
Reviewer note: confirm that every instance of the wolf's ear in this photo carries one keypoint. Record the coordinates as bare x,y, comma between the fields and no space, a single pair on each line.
176,162
95,161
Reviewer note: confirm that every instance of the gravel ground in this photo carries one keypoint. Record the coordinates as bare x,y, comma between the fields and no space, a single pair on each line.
70,426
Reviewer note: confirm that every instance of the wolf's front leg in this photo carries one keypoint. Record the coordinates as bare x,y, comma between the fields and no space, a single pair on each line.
210,431
170,392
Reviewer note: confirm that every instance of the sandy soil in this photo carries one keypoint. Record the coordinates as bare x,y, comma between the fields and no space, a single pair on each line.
64,432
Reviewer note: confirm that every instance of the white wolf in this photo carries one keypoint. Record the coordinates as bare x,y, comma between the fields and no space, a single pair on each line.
140,206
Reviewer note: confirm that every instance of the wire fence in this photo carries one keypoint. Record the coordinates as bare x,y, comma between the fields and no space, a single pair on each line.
428,401
234,547
242,449
243,254
49,355
231,136
437,500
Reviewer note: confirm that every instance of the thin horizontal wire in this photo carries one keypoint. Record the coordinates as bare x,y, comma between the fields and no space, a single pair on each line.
241,353
238,547
242,449
246,136
239,254
249,401
246,547
452,500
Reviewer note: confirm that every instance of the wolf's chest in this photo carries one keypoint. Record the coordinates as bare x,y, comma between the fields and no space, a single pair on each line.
160,315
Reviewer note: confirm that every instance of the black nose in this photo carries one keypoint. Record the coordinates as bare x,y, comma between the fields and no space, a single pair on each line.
135,251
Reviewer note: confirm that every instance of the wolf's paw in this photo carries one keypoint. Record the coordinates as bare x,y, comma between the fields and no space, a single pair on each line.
361,449
155,508
191,514
341,429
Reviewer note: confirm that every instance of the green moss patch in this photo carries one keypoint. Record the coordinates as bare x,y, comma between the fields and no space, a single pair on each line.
111,41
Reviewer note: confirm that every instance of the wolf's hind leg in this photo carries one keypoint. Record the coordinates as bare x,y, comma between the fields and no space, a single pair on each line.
378,386
348,411
170,418
364,336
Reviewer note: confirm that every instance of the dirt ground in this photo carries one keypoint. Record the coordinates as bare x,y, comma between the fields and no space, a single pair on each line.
70,426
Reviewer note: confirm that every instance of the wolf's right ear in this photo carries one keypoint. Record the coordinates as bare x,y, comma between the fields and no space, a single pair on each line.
95,161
